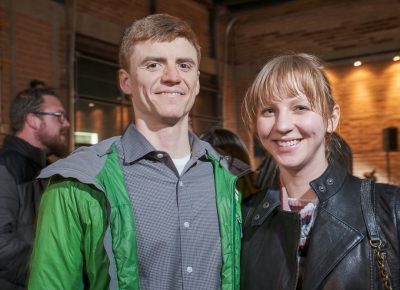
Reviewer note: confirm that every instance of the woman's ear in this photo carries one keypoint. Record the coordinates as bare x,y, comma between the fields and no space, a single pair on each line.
334,119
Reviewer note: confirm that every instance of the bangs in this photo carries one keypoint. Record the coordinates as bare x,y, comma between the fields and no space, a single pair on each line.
286,80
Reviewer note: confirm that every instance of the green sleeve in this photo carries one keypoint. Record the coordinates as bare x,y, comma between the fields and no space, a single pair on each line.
66,236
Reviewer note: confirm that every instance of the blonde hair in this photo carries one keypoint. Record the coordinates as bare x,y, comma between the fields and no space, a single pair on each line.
285,76
156,27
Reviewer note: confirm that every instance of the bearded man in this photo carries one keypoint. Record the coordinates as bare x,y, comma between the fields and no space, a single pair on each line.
39,127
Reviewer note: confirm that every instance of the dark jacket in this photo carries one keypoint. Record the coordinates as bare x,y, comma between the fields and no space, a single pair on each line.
20,164
339,256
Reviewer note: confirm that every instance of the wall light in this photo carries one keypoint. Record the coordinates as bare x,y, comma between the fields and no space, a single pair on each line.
357,63
396,58
91,105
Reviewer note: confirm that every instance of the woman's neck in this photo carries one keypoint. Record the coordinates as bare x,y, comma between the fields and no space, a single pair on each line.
297,183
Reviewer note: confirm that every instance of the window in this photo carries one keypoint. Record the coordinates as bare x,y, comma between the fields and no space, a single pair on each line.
100,108
207,110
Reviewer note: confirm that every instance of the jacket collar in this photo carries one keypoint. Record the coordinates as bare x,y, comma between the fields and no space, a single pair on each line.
325,186
14,143
329,183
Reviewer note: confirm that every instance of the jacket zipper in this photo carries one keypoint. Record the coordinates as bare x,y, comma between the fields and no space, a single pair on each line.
234,220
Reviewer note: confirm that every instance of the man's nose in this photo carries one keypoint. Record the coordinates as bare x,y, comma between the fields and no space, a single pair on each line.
66,124
171,74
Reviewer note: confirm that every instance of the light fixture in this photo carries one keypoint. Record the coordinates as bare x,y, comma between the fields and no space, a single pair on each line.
91,105
396,58
357,63
87,138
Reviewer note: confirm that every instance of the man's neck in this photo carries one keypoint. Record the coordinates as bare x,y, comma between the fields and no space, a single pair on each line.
171,139
30,138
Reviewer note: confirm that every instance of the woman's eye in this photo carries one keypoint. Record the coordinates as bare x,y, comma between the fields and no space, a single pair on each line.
267,111
302,108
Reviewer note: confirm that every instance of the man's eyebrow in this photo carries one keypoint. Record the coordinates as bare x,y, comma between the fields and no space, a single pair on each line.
186,59
164,60
153,58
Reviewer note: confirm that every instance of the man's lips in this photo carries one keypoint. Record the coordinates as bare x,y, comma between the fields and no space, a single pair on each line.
170,93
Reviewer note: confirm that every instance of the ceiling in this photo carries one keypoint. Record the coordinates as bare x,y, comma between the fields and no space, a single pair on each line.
236,6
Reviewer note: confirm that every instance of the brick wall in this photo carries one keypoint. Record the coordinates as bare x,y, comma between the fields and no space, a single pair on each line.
369,97
330,29
4,70
121,12
194,13
33,50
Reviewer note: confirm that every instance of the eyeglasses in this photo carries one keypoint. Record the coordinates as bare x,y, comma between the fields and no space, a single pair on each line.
60,115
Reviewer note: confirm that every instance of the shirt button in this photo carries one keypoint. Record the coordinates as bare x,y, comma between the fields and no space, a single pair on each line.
160,155
189,269
180,183
186,224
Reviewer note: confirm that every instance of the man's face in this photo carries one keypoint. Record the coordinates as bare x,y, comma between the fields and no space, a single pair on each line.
52,133
163,80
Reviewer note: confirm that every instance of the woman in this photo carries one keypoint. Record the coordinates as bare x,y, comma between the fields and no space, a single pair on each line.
309,233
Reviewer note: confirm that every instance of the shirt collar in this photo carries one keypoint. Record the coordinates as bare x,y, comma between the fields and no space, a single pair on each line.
135,146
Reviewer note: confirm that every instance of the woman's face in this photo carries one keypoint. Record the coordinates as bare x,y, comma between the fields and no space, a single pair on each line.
294,134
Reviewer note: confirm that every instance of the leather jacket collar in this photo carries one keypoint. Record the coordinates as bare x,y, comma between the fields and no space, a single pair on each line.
325,186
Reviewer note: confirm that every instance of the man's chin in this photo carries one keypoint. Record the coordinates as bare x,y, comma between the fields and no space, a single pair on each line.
59,148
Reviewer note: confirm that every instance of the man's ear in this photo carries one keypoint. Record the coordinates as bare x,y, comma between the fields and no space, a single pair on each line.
198,83
125,82
334,119
32,121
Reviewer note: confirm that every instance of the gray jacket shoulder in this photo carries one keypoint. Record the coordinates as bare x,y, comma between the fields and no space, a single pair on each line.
82,164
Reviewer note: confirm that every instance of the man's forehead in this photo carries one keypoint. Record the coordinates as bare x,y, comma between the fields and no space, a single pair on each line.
50,100
153,45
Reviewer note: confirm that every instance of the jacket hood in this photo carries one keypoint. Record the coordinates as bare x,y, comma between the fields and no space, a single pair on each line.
82,164
85,163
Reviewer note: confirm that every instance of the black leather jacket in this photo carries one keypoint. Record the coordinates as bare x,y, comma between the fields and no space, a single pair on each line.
339,256
20,163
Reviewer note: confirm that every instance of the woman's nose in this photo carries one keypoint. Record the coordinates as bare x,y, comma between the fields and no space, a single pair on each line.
284,122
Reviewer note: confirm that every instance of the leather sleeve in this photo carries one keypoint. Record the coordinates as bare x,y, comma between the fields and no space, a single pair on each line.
14,247
388,220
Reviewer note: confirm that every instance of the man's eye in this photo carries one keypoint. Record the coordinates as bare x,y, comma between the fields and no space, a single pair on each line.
153,66
184,66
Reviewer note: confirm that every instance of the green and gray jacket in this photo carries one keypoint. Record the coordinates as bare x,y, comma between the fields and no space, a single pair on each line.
86,235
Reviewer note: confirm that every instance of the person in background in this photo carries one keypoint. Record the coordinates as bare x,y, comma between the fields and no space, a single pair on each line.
39,127
323,228
155,208
229,145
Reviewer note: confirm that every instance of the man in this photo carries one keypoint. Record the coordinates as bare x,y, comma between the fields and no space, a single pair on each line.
38,121
155,208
